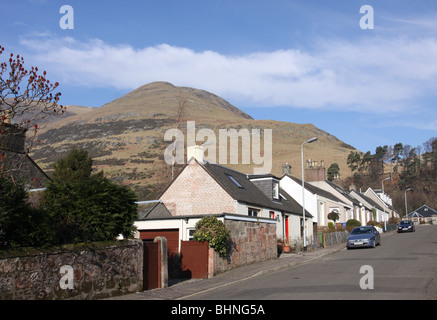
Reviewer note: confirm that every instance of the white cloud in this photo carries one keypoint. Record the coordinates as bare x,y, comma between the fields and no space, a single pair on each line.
371,75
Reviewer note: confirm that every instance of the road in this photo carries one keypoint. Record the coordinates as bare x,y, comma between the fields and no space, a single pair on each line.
404,267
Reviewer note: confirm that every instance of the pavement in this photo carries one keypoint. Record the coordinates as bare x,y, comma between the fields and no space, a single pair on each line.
188,289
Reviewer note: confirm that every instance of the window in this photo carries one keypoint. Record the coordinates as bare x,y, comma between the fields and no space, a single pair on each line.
253,212
272,214
190,234
235,181
276,191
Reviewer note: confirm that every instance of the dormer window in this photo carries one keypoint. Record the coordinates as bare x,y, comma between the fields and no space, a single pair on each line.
276,191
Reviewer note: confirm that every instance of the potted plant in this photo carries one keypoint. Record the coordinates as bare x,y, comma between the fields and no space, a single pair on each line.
287,246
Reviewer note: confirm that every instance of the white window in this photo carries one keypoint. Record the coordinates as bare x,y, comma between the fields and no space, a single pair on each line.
190,233
276,191
253,212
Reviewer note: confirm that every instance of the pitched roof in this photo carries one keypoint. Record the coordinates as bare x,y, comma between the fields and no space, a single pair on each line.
241,188
369,200
315,190
423,211
152,210
345,193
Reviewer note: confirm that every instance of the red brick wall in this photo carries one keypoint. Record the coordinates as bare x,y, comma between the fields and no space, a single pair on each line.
195,192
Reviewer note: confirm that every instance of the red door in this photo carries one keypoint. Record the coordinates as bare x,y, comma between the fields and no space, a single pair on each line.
150,266
194,259
287,234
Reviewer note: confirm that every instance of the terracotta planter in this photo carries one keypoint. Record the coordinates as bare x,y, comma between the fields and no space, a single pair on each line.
287,249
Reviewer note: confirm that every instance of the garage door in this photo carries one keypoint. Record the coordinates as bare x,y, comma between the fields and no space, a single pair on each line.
172,236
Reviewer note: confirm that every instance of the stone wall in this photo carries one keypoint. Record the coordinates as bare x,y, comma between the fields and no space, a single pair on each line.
93,271
252,242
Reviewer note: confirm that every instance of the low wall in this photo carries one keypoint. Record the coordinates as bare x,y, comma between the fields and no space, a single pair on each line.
91,271
253,241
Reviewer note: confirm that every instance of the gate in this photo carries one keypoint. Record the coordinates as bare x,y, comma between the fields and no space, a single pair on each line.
194,259
151,272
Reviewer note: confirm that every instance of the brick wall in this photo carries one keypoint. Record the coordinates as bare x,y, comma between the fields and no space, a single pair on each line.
195,192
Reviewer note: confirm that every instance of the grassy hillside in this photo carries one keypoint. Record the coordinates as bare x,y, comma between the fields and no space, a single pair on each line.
126,136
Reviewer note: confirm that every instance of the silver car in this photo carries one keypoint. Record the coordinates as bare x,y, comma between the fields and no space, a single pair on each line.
364,236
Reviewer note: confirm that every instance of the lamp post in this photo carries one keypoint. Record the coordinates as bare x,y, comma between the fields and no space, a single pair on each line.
406,206
303,193
383,203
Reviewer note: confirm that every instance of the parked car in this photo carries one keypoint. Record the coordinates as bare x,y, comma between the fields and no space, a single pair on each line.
406,226
364,236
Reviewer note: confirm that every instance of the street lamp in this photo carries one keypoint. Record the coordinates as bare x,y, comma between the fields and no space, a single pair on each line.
406,206
383,203
303,193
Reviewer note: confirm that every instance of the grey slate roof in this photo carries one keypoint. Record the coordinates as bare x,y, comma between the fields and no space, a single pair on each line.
154,209
316,190
249,192
424,211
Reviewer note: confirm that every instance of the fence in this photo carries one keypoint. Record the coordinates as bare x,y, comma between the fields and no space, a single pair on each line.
391,227
319,240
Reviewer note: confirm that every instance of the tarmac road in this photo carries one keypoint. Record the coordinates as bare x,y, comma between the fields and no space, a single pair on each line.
403,267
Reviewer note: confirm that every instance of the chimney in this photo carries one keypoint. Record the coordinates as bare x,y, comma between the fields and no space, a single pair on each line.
315,174
12,138
195,152
286,169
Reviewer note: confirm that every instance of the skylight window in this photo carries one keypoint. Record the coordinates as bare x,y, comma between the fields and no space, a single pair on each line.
235,181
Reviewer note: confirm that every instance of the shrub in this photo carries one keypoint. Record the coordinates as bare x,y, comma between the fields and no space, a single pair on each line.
352,223
215,232
20,224
374,223
87,207
94,209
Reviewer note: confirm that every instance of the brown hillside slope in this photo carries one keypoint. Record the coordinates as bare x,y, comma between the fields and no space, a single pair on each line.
126,136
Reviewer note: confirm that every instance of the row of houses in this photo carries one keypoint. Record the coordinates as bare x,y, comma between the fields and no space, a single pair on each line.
203,188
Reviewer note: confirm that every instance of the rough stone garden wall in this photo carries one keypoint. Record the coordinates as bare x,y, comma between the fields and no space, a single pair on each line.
252,242
93,271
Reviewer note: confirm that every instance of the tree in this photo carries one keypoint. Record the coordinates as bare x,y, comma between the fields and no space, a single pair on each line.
76,166
380,154
333,171
20,224
26,97
353,160
333,215
87,207
24,92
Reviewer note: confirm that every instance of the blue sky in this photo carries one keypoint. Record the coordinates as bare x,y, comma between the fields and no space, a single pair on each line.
302,61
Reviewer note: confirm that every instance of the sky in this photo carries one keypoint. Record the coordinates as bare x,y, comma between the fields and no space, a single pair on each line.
368,77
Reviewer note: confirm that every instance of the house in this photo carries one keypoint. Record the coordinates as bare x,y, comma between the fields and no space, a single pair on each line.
344,195
369,209
318,202
204,188
254,207
423,214
384,201
346,203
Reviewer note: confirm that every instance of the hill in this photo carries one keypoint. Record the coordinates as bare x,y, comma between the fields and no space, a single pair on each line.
125,137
